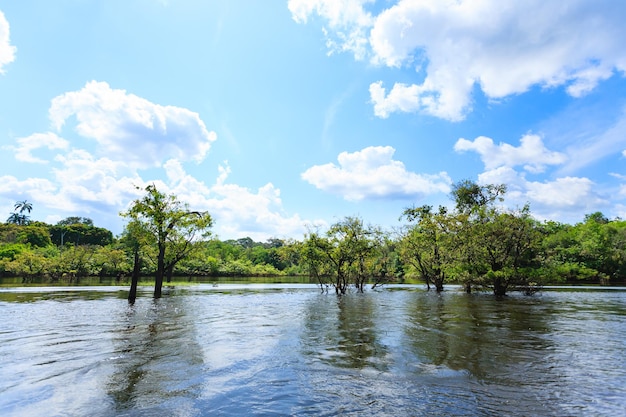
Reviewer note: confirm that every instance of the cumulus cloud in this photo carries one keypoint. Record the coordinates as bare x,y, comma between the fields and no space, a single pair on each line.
26,146
86,181
348,22
563,198
238,211
504,48
131,134
373,173
130,128
7,51
562,192
531,153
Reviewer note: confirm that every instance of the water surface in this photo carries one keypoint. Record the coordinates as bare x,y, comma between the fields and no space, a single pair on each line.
286,349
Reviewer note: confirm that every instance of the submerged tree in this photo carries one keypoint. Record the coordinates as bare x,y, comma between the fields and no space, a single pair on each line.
429,243
343,255
496,245
133,238
506,247
172,227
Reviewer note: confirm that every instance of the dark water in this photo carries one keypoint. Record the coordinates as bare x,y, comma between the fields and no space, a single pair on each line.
289,350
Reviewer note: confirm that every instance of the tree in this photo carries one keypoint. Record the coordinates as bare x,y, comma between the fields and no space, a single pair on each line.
133,238
36,234
80,234
496,246
428,244
18,216
172,226
470,196
507,244
23,206
343,254
68,221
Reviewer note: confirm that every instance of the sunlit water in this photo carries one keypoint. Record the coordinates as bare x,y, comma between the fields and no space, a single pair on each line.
289,350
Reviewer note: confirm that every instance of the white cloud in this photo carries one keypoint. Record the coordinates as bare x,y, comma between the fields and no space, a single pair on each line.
14,189
563,192
347,20
372,173
130,128
88,183
238,211
564,199
531,153
7,51
504,48
85,185
26,146
504,175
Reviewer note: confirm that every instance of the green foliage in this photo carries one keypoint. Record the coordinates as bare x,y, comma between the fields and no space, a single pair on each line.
80,234
429,244
11,250
72,220
169,227
34,234
470,196
344,256
477,244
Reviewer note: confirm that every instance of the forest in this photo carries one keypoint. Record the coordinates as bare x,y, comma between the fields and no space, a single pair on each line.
477,244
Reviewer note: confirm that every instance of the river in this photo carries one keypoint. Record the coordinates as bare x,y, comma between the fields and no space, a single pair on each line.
287,349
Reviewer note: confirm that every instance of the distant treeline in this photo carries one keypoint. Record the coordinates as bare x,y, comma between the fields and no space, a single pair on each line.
476,244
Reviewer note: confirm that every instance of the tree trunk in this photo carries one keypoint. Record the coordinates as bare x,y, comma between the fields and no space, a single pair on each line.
132,295
169,271
499,289
158,282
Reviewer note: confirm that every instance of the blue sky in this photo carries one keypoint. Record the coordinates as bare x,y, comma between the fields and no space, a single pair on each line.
276,116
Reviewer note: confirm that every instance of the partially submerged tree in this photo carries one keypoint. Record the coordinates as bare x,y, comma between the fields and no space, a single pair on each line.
343,255
506,244
495,244
172,226
133,238
428,245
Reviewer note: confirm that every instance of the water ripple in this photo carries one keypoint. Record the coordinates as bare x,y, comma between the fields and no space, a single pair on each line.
292,351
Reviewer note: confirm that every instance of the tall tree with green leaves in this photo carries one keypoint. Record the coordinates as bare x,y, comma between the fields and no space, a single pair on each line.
496,245
343,254
507,244
172,225
428,245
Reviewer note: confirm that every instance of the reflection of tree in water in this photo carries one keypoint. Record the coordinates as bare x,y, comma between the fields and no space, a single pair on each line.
478,333
342,331
157,358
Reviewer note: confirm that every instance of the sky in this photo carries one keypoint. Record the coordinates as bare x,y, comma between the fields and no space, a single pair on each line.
280,117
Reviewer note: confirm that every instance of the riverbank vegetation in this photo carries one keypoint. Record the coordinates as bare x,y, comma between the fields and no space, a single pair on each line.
477,244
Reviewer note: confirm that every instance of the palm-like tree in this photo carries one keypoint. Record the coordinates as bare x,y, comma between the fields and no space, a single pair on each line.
15,218
18,217
23,206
